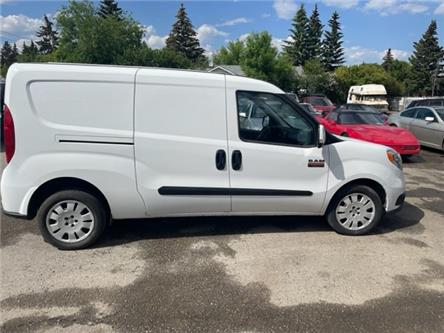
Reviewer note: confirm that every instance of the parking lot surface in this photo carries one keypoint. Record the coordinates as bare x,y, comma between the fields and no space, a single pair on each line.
249,274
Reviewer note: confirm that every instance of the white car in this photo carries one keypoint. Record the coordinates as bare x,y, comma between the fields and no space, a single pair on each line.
426,123
86,144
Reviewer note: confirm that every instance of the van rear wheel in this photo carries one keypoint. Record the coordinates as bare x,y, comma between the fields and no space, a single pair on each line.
355,211
72,220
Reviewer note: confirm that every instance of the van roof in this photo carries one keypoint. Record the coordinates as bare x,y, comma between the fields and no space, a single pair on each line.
232,78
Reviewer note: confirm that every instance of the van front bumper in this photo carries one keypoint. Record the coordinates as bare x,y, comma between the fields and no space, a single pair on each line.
398,204
395,200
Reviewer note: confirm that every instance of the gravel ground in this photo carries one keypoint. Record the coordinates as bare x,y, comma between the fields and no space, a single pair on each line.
249,274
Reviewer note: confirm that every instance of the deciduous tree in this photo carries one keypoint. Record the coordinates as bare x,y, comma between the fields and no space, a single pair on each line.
261,60
231,54
86,37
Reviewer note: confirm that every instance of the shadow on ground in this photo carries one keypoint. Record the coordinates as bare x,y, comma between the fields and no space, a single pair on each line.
127,231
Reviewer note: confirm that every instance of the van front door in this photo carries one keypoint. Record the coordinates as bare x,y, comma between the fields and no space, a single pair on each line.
181,142
275,167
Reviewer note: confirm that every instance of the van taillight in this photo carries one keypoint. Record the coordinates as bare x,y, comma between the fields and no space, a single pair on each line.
9,134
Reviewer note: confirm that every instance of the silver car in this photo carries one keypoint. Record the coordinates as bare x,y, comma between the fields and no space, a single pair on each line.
426,123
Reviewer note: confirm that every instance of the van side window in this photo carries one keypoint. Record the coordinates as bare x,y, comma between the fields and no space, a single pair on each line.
268,118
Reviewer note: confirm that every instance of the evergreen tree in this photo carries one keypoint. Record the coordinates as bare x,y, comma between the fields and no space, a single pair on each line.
314,35
48,37
425,61
29,52
6,52
296,48
14,53
332,50
110,8
8,56
183,38
387,62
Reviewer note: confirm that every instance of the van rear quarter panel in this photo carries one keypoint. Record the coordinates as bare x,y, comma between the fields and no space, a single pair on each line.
80,105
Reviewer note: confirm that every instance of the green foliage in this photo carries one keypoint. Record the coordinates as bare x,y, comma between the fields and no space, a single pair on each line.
48,37
314,35
183,38
110,8
332,50
30,53
366,74
296,48
88,38
401,71
260,60
315,79
145,56
425,61
230,55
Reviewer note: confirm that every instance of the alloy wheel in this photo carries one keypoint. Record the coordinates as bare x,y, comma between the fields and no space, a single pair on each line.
355,211
70,221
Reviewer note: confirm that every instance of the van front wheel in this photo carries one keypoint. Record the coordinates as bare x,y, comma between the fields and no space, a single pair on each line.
355,211
71,220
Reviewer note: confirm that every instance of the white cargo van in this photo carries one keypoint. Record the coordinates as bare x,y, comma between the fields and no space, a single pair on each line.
86,144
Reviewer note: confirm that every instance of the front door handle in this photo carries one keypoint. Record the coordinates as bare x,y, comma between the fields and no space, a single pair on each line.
236,160
221,159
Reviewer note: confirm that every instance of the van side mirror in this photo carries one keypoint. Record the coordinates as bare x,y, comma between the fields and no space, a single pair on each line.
265,121
321,136
429,119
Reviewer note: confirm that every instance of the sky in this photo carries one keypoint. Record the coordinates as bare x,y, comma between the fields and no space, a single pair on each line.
370,27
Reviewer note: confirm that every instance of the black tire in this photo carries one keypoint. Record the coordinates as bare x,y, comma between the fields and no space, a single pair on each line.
393,125
93,204
361,189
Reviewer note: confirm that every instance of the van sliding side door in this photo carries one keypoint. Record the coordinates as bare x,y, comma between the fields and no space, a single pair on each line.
181,142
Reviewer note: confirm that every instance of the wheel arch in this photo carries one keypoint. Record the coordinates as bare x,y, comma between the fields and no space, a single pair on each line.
373,184
63,183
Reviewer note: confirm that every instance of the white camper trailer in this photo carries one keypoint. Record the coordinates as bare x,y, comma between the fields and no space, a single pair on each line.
369,94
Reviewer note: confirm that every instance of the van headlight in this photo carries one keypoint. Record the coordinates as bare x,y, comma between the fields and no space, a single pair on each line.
394,158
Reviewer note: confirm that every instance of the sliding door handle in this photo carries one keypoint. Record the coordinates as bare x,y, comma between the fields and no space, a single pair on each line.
221,159
236,160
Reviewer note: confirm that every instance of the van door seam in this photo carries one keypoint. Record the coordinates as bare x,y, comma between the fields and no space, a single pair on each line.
134,140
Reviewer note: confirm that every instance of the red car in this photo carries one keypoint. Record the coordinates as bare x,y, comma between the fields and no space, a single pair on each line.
320,103
369,126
